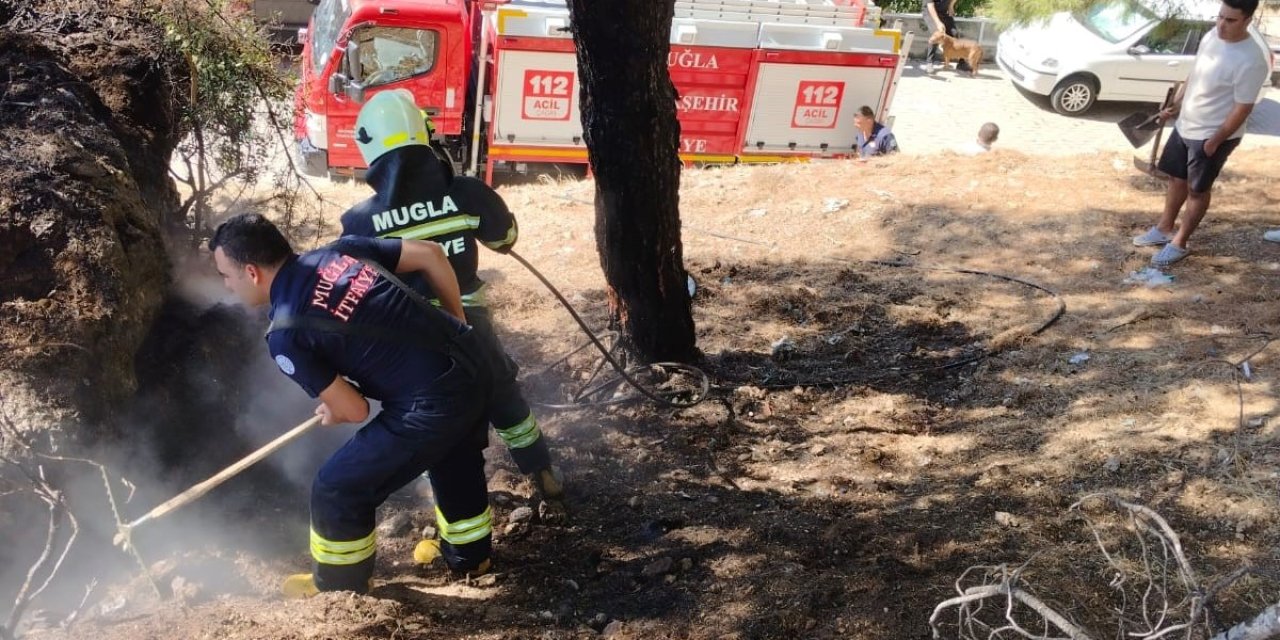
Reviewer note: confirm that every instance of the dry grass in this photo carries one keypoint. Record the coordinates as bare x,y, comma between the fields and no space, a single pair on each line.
849,511
1157,392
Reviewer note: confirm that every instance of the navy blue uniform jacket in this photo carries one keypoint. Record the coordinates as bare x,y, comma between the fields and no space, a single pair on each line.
331,283
417,199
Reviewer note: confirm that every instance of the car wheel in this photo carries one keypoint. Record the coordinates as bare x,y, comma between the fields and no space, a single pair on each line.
1074,96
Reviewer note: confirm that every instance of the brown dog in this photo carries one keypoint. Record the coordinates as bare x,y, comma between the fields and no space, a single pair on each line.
959,49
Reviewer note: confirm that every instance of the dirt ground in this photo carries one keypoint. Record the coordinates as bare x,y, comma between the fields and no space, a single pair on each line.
843,476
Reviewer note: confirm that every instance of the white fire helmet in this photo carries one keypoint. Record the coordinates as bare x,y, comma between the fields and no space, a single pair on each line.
389,120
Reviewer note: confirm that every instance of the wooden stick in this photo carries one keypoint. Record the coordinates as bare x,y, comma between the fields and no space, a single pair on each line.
190,495
1155,148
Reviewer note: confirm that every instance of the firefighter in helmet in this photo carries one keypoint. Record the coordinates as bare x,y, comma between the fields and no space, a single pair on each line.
344,328
417,196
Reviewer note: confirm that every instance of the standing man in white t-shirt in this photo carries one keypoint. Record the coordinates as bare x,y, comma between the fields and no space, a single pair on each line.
1226,79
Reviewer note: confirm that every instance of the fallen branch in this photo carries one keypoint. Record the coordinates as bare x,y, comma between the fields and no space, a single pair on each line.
49,562
74,616
23,599
1150,604
1263,626
973,594
1008,588
1167,533
23,459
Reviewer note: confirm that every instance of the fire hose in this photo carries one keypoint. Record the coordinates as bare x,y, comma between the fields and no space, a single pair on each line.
625,374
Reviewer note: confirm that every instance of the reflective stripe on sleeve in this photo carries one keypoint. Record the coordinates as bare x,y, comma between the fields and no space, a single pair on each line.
429,230
474,299
507,241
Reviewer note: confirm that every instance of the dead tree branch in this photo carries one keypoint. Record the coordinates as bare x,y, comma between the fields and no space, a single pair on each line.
1165,532
1158,593
1012,594
24,459
58,510
1263,626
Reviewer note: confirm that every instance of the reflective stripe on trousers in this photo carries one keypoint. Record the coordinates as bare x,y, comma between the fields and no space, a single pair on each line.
342,552
466,531
523,434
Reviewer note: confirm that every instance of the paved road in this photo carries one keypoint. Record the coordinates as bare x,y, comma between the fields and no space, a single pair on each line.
944,111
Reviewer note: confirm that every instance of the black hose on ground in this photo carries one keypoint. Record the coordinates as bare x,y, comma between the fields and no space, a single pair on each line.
626,374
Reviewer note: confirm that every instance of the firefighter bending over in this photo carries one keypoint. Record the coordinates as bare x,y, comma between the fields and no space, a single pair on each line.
417,196
335,316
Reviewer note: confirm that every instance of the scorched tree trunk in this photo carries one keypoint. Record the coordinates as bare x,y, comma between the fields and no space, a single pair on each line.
629,123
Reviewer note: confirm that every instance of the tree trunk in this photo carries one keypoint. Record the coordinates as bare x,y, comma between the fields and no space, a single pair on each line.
629,124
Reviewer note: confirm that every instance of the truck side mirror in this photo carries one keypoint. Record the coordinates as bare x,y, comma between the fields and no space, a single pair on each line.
1139,50
338,83
356,92
352,62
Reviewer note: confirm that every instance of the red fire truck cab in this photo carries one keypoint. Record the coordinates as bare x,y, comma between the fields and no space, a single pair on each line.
758,80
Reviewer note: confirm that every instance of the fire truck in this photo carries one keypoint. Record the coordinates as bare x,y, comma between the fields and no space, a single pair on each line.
757,80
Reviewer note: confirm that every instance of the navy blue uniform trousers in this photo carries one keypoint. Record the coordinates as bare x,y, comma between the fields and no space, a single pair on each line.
509,412
443,432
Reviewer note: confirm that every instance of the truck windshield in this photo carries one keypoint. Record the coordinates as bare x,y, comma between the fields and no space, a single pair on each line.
1115,21
327,23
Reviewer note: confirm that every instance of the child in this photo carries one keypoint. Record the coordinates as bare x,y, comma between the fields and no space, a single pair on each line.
987,136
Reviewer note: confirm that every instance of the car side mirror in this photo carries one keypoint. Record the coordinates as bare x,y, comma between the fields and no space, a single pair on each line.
1139,50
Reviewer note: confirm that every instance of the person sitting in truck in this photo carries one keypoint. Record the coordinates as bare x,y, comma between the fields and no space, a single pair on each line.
417,196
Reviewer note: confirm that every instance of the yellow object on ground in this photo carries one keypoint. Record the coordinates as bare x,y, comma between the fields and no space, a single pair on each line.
428,550
302,585
299,585
550,484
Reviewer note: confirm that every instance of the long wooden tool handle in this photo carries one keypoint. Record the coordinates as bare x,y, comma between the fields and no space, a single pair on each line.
190,495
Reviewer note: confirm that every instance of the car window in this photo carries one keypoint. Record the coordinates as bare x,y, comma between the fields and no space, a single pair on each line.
391,54
1202,27
1173,37
1115,21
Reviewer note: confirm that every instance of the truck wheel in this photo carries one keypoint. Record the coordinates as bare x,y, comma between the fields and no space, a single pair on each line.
1074,96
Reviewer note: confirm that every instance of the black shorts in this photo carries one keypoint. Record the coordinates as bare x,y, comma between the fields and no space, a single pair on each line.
1186,160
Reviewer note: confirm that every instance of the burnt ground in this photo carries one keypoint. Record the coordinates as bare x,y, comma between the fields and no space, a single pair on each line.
836,484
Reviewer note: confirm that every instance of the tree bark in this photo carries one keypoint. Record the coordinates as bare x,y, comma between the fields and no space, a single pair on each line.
632,136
